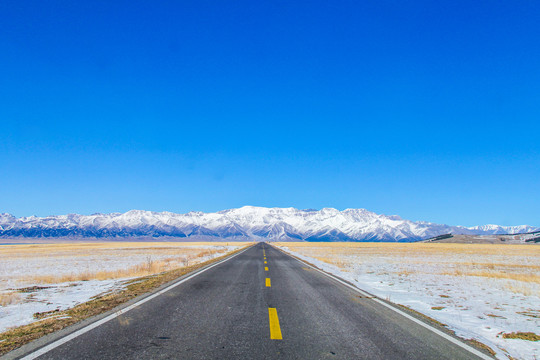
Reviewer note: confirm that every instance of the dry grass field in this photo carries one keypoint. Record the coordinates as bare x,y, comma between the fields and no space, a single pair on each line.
37,278
481,291
58,263
515,262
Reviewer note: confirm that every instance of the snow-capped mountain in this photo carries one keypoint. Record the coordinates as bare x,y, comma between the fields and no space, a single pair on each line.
248,222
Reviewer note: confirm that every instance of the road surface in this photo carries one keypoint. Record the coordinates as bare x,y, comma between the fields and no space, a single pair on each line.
260,304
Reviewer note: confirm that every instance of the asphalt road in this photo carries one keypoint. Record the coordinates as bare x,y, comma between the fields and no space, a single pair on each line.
231,311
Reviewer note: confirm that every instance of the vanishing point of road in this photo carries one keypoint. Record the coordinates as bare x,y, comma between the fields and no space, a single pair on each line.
259,304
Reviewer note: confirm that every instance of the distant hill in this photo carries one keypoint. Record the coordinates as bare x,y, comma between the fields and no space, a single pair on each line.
523,238
246,223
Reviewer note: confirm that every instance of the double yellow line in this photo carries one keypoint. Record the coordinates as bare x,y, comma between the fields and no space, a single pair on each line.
275,329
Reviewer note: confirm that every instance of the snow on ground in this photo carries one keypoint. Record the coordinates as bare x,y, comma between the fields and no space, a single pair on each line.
29,274
449,286
51,297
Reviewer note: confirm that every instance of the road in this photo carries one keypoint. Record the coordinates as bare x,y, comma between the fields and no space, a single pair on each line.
245,308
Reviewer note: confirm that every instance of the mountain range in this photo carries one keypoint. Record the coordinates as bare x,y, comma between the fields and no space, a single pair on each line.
246,223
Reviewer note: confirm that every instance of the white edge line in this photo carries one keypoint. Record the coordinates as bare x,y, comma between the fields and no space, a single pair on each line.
402,313
85,329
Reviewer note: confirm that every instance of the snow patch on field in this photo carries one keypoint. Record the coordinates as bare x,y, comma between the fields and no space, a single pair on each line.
14,269
474,307
22,296
53,297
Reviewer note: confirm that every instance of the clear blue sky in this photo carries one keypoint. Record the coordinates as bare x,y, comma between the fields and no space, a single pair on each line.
426,109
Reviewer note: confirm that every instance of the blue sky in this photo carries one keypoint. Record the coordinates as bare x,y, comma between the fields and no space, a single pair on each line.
425,109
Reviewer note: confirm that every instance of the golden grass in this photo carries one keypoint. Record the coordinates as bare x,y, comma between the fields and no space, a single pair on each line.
397,248
522,335
10,298
335,261
522,288
519,264
490,265
525,277
480,345
171,255
531,313
71,249
147,268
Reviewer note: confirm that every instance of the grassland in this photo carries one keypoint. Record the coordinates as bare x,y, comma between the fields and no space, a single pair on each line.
57,263
513,262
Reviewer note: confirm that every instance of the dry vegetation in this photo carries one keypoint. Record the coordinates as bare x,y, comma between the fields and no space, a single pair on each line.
522,335
58,263
146,268
9,298
520,263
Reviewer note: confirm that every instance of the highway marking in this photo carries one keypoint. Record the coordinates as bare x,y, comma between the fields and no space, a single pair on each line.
106,319
275,330
266,268
453,340
268,282
265,262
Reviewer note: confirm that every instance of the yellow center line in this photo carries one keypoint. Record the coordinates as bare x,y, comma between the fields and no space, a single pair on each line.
275,330
265,262
266,268
268,282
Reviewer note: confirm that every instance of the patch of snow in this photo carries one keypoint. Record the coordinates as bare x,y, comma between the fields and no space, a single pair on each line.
52,297
18,269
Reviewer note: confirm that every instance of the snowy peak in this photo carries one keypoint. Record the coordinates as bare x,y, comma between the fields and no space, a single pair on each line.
498,229
248,222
